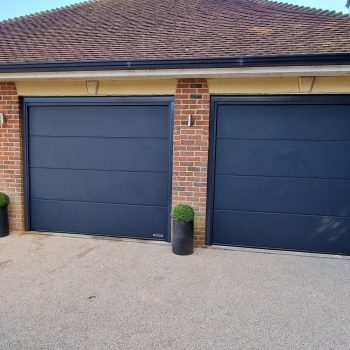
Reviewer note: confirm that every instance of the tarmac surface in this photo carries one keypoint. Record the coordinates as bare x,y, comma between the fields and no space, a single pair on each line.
61,292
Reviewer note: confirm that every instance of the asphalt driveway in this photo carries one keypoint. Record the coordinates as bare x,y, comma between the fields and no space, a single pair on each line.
76,293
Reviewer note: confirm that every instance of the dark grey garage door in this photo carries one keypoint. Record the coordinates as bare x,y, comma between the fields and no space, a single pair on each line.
99,166
280,174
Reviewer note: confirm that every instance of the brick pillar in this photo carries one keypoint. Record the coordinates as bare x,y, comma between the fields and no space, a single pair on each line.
11,180
190,158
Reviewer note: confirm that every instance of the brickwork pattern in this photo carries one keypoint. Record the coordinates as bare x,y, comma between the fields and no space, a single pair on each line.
190,149
11,180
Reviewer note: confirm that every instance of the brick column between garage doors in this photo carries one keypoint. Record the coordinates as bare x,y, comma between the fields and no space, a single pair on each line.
11,181
190,156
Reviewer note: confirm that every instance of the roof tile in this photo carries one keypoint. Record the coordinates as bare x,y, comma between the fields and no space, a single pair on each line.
153,29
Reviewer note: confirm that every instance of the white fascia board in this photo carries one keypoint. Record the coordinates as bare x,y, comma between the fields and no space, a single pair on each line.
280,71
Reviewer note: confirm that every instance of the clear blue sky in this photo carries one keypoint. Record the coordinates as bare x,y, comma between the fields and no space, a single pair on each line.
13,8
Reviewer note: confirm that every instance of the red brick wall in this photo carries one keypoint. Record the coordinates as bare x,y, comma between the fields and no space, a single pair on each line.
190,160
10,154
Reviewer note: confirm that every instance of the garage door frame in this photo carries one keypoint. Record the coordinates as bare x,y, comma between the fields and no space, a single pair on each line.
27,102
246,100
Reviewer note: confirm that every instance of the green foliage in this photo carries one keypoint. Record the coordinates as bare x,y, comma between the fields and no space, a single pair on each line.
4,200
182,212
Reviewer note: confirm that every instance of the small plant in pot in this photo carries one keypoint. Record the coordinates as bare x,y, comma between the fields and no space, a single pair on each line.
4,219
182,238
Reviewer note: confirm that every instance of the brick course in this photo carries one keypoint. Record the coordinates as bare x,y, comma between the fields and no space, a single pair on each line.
11,181
190,150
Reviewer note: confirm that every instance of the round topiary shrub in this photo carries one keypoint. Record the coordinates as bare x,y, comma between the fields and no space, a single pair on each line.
182,212
4,200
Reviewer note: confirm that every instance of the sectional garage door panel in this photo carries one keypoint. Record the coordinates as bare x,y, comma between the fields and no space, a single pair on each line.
282,195
324,234
282,175
102,169
125,154
266,121
134,221
86,121
287,158
108,186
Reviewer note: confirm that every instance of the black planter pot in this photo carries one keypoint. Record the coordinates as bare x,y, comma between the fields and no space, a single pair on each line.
4,222
182,240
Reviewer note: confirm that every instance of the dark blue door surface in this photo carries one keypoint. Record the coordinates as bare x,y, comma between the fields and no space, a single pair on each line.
281,173
100,167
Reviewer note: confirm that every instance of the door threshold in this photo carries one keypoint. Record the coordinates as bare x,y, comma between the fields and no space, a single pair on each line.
279,252
97,237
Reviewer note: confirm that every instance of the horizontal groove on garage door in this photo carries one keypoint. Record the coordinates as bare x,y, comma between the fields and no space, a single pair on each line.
107,203
284,177
117,171
279,213
106,137
290,139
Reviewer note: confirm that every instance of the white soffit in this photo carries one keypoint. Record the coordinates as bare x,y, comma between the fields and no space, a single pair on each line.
283,71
